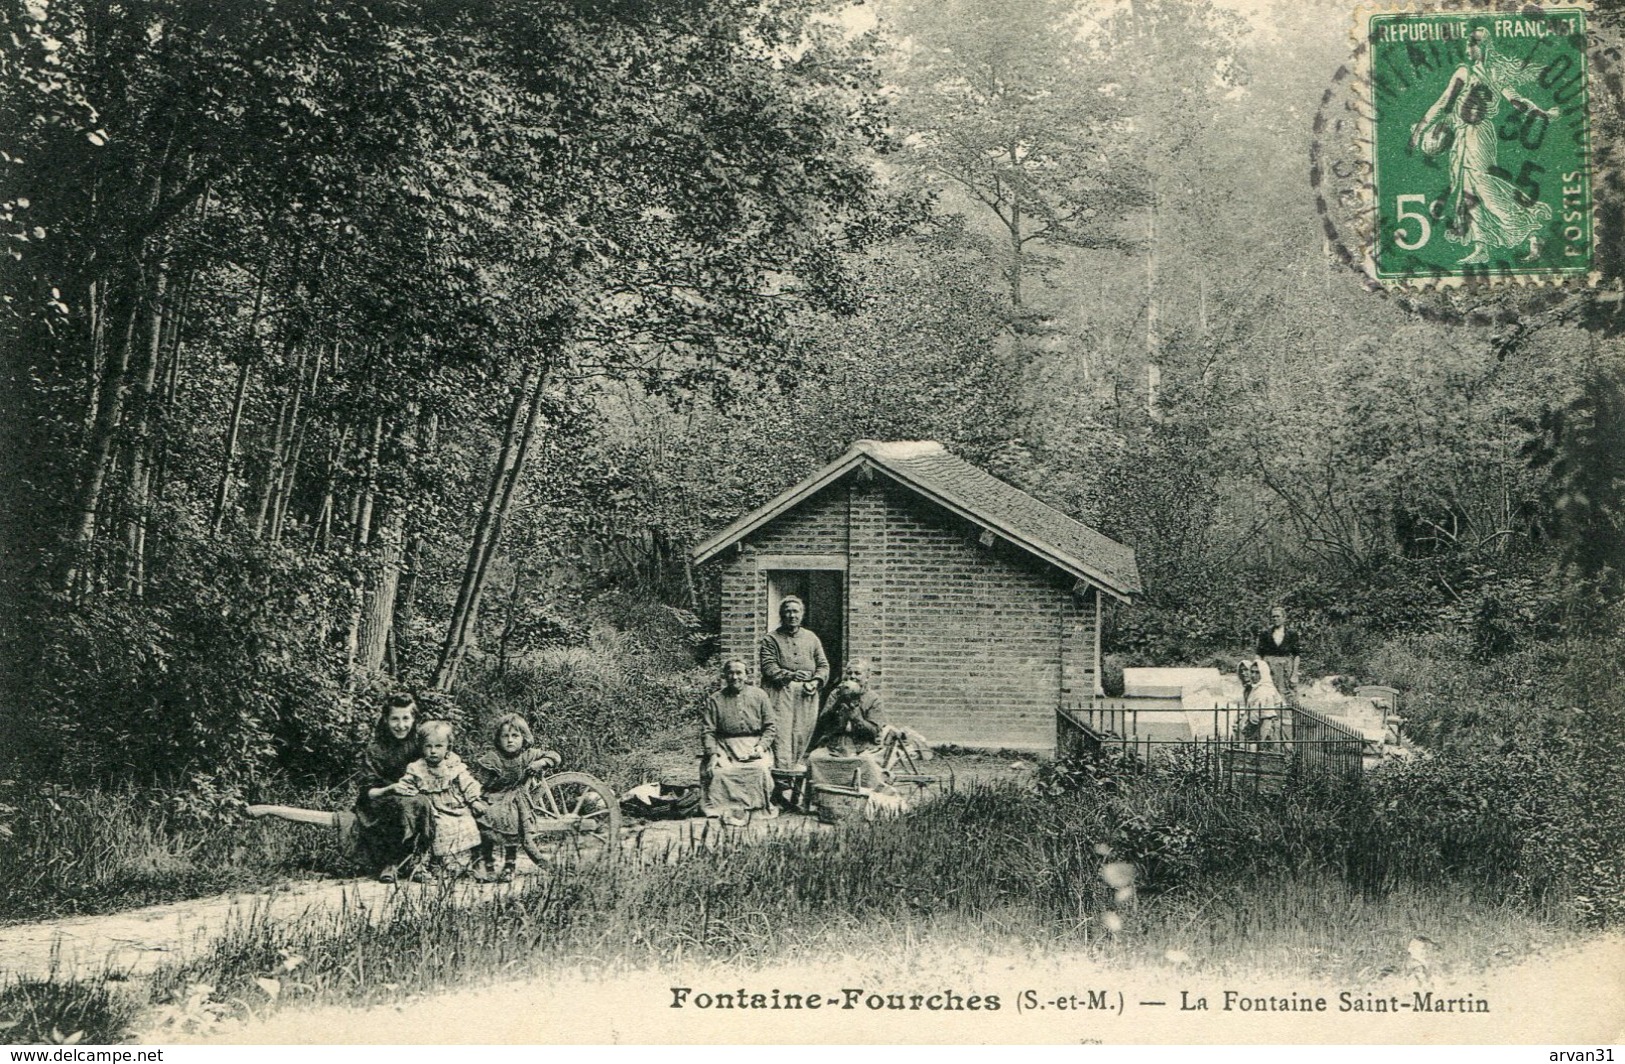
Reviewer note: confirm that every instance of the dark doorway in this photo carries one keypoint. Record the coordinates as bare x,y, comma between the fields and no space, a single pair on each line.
824,592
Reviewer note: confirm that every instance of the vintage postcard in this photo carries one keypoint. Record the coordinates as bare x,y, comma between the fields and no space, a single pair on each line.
900,522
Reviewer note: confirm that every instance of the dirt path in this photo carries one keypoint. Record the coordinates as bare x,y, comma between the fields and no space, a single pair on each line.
138,940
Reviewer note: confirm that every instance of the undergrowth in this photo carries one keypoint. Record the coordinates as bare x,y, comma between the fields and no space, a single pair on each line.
60,1011
1078,870
78,853
993,862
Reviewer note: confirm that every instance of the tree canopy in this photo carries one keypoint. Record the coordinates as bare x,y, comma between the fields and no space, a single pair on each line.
349,342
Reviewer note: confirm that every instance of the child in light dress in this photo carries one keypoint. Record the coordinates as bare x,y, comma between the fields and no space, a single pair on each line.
441,777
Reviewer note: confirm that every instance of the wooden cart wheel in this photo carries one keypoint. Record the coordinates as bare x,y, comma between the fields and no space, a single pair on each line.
570,816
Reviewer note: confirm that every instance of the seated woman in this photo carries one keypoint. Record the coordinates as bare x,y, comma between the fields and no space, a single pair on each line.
394,822
846,742
737,732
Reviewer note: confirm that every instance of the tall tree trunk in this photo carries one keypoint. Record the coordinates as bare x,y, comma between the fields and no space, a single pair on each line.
141,456
281,445
1153,340
406,592
99,457
234,426
516,445
352,630
228,454
284,496
324,514
1017,249
96,355
363,519
452,649
172,382
382,580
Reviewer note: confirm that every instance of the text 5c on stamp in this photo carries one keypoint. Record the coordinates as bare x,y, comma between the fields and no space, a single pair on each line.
1479,138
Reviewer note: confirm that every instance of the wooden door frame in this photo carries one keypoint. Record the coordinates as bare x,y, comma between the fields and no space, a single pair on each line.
794,563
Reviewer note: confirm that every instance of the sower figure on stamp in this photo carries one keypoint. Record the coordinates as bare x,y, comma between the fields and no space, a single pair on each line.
794,670
737,734
1484,209
1278,647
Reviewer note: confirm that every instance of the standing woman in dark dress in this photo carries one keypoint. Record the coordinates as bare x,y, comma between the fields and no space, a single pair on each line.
395,822
1278,646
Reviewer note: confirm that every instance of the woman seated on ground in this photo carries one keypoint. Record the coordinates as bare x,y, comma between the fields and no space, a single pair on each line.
395,823
846,743
503,772
737,733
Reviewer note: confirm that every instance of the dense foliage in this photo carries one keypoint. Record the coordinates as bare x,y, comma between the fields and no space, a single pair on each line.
299,294
363,344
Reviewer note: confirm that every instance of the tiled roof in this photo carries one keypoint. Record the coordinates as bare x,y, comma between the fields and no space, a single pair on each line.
931,470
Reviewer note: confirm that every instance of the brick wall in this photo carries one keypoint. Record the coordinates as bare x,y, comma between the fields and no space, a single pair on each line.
972,641
816,526
970,644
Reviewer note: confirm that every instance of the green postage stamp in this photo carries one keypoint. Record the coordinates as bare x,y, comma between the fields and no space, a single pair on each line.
1479,142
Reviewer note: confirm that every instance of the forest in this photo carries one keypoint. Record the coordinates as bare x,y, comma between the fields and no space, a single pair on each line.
359,345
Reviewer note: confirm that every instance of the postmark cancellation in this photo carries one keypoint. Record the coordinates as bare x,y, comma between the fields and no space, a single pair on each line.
1476,132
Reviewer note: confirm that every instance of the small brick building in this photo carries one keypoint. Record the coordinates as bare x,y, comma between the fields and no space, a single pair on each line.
977,606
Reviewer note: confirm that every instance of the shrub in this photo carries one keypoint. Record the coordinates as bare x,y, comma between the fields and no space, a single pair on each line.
593,702
55,1011
220,661
1111,675
1534,825
1538,823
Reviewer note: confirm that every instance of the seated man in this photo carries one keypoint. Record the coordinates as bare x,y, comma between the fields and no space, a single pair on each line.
737,733
846,743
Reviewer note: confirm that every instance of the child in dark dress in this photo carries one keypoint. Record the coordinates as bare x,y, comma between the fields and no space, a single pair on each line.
503,772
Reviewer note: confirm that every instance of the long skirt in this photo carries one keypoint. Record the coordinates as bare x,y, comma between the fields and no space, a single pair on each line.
501,820
394,828
738,787
454,832
796,712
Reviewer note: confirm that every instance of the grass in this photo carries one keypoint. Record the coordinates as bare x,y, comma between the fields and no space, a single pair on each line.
58,1010
992,868
1128,865
85,853
105,851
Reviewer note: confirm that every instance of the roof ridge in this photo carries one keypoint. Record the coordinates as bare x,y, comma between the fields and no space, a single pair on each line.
929,468
898,449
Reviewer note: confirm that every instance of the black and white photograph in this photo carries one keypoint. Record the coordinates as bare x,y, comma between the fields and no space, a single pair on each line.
833,522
